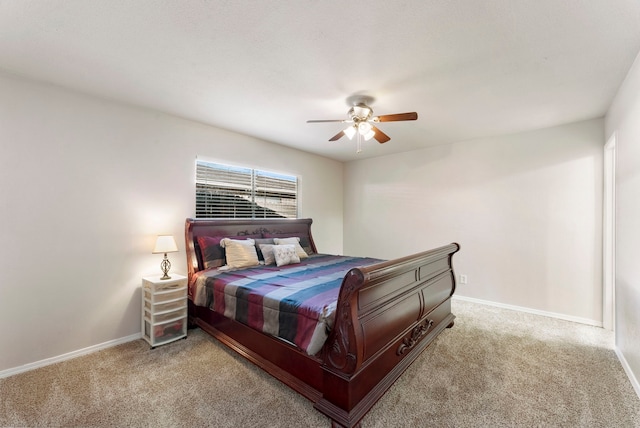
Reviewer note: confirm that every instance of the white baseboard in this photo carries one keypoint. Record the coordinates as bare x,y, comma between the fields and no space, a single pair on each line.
580,320
627,369
68,356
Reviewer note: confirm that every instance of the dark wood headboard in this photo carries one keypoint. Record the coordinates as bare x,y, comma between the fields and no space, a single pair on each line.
239,227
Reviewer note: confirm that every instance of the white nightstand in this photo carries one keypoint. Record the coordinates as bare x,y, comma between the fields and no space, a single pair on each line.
164,309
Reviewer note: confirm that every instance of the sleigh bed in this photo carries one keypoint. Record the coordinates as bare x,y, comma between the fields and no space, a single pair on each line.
382,316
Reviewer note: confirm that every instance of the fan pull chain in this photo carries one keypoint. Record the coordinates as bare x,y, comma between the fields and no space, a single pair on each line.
359,143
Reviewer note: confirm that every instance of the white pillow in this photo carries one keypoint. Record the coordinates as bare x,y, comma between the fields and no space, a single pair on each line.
267,253
285,255
240,253
295,241
225,241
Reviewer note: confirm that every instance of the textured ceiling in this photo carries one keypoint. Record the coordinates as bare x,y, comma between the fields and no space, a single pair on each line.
469,68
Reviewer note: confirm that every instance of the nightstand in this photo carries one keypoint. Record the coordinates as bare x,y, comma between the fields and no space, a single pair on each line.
164,309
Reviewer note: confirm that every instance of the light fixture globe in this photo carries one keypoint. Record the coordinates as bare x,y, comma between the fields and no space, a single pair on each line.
350,132
364,128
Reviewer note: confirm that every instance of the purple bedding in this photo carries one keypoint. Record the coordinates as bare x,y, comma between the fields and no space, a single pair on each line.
296,302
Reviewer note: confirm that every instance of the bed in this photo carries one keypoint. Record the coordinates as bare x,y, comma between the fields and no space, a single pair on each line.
383,315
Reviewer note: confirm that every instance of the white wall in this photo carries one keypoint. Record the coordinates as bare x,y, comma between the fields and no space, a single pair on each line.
623,119
86,184
526,210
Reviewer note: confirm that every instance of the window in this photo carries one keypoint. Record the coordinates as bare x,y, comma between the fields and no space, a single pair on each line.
224,191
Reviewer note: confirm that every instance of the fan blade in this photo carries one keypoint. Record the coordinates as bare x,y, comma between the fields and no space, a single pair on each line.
380,136
330,120
337,136
396,117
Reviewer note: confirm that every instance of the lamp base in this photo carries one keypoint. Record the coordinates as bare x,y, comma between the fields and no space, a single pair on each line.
165,266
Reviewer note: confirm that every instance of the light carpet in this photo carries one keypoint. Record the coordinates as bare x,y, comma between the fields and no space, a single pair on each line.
494,368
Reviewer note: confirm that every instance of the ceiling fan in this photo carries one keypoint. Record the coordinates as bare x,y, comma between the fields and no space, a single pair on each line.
362,121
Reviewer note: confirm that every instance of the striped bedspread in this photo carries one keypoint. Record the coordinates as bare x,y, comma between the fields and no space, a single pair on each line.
296,302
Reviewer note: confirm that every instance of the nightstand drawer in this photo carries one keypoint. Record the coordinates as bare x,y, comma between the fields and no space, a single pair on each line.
166,295
165,307
159,334
159,318
169,285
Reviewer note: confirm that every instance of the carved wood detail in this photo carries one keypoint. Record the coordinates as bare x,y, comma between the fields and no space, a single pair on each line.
416,334
341,353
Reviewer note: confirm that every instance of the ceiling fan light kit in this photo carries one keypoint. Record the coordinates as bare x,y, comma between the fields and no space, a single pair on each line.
362,120
350,132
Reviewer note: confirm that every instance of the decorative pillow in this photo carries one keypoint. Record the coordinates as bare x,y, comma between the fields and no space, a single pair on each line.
211,251
285,255
260,242
267,253
295,241
224,242
305,243
240,253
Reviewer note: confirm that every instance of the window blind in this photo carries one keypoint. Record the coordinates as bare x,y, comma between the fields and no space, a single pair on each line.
224,191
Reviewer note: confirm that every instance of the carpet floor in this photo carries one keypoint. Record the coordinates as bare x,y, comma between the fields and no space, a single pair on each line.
494,368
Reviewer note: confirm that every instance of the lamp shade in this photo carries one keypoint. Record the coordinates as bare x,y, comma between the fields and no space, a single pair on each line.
165,244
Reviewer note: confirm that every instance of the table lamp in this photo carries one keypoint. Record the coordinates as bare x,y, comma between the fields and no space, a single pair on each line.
165,244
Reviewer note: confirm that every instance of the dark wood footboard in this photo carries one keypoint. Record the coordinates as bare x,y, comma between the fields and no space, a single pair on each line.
387,314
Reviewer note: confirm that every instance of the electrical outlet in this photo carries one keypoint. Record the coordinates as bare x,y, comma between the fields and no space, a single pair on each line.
463,279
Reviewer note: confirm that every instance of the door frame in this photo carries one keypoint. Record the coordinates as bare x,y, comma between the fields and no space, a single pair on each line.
609,235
